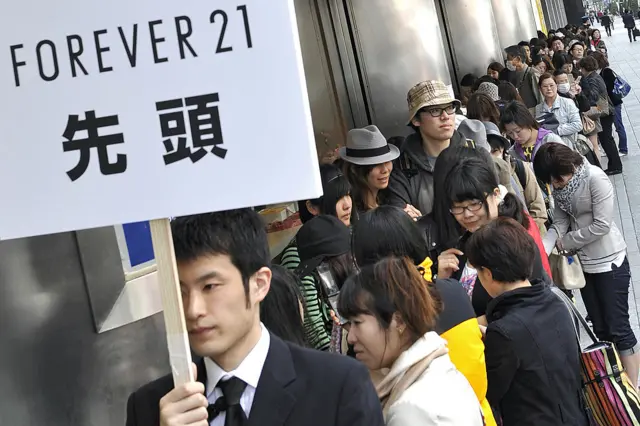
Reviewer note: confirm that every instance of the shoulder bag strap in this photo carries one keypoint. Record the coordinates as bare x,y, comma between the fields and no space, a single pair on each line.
575,314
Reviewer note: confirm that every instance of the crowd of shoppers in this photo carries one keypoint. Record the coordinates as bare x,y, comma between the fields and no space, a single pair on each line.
419,289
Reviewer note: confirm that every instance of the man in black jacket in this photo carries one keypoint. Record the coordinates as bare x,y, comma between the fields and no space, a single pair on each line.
606,23
246,376
431,115
531,347
630,24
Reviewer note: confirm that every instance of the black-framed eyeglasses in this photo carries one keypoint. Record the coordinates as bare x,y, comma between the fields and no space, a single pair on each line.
473,207
437,111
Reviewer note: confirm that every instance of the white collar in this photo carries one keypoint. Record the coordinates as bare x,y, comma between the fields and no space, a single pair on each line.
249,369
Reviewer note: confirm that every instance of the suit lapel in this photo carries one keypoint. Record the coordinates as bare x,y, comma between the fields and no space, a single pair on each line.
277,388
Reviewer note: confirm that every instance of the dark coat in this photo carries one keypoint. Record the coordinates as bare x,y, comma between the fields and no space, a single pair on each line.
479,298
411,181
628,20
297,386
533,361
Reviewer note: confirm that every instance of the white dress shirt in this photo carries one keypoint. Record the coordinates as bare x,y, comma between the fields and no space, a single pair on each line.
248,371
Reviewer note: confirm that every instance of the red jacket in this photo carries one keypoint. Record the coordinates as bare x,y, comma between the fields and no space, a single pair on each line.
535,233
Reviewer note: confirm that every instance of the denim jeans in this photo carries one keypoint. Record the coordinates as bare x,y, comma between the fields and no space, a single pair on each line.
622,133
606,297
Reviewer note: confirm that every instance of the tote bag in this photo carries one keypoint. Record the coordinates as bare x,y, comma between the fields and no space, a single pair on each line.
567,271
609,396
621,87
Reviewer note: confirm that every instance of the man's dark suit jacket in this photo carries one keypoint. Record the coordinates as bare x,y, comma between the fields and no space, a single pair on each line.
297,387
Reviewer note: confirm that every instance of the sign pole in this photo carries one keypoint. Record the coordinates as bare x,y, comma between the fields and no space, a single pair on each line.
176,330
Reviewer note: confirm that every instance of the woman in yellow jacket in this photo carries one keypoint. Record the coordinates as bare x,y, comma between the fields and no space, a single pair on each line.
389,231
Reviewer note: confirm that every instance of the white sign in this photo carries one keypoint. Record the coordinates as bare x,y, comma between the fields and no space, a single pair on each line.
126,111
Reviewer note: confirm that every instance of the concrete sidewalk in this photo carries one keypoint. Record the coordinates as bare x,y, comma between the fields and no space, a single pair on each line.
624,58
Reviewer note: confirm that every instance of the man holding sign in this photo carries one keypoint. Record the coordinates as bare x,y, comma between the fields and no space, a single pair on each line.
247,376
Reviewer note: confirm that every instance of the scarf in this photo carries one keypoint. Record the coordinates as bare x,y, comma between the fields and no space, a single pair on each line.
389,390
564,196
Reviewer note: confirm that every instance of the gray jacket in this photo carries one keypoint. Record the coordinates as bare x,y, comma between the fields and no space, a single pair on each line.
567,114
590,230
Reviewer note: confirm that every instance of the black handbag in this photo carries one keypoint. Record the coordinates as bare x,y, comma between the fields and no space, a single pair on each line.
636,32
548,121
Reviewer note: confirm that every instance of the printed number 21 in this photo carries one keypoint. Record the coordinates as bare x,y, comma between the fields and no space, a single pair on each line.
225,20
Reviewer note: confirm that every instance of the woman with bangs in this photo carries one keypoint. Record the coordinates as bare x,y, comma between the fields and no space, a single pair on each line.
391,317
389,232
467,197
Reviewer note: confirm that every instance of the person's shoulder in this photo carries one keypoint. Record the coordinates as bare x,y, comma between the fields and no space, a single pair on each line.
457,307
323,363
597,175
143,403
552,137
451,291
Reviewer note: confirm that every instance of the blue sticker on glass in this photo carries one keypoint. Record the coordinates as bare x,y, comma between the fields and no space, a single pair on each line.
139,245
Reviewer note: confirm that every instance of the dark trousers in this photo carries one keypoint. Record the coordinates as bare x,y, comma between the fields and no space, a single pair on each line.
606,297
630,32
608,28
608,143
622,133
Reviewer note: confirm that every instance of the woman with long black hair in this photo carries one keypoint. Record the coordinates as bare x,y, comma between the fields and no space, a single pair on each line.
468,196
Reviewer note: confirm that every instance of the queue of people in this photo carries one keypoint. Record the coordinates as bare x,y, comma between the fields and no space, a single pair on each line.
419,289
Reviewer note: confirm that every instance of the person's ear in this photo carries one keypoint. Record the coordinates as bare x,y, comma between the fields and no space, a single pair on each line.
398,323
260,283
415,121
312,209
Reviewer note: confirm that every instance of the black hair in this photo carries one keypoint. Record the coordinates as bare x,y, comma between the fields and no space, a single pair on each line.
554,39
387,231
541,35
561,58
498,143
279,311
508,92
466,177
239,234
484,79
468,80
396,141
558,72
536,59
554,160
516,52
495,66
523,43
448,187
357,176
335,186
503,247
518,113
305,214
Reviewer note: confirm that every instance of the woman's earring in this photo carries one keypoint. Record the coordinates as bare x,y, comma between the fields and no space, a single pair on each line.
401,330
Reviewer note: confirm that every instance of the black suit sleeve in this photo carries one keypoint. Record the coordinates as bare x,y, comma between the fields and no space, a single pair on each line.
131,411
359,403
